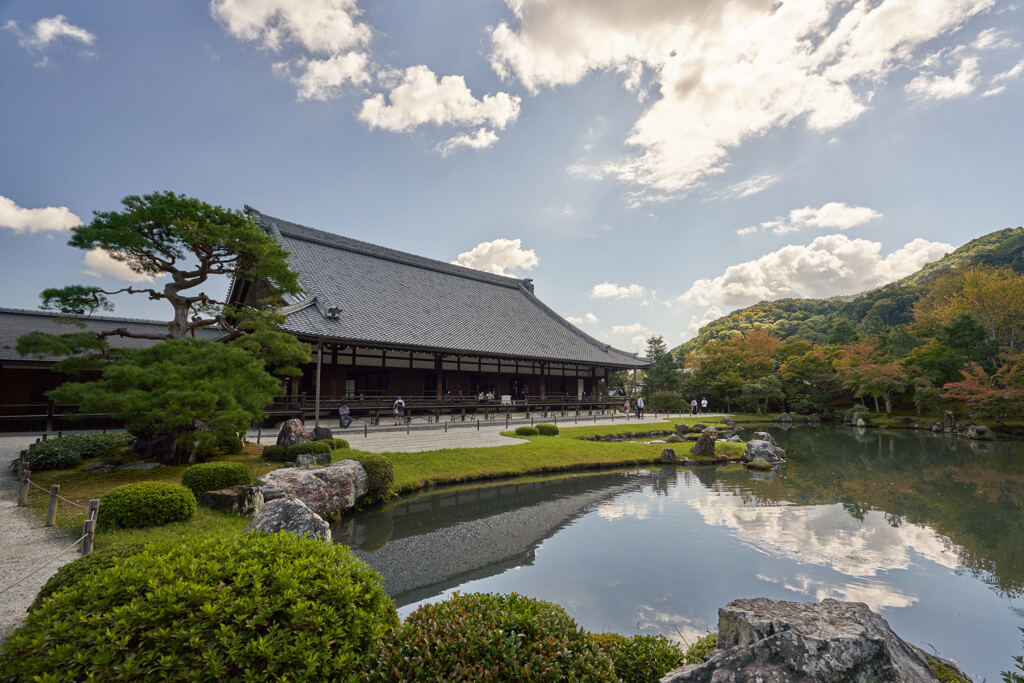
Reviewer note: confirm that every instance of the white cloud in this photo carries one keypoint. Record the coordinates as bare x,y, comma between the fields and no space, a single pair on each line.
993,39
498,256
609,290
828,266
1010,74
693,329
748,230
634,328
994,91
833,215
929,86
638,340
725,72
748,187
588,318
99,262
423,98
322,79
19,219
49,30
483,137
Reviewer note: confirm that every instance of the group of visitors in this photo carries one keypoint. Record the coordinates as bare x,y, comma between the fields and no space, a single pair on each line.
638,406
697,409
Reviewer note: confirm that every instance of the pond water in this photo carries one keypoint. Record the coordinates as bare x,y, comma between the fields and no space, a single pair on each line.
925,529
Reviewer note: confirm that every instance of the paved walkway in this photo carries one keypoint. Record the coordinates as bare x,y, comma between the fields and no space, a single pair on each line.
27,544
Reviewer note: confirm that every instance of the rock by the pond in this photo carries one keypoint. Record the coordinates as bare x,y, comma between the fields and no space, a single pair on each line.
936,426
775,640
244,501
321,434
681,429
764,436
705,445
814,419
290,514
312,459
729,422
328,491
763,451
667,455
698,427
673,438
735,438
784,417
948,421
859,422
293,432
978,432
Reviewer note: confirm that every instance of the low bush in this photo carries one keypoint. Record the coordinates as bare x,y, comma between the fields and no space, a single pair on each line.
527,431
640,659
73,571
336,443
253,607
490,637
230,446
547,430
213,476
65,452
308,447
275,454
666,402
148,503
699,651
380,475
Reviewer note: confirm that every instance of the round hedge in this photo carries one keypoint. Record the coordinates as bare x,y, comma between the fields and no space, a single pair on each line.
148,503
213,476
490,637
380,474
254,607
73,571
527,431
336,443
643,659
275,454
545,429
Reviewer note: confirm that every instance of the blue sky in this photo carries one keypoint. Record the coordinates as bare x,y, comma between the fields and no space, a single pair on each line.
659,162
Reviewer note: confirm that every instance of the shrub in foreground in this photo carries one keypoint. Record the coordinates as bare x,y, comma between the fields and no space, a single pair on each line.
213,476
699,651
308,447
490,637
527,431
545,429
73,571
253,607
640,659
148,503
380,475
65,452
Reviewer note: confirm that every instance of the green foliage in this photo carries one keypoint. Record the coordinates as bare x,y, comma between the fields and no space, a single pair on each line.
1018,675
943,673
545,429
308,447
213,476
232,445
640,659
256,607
336,443
275,454
664,373
65,452
148,503
527,431
667,402
380,475
75,300
699,651
489,637
71,573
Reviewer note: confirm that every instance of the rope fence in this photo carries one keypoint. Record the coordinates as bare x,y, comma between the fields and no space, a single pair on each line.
92,510
41,567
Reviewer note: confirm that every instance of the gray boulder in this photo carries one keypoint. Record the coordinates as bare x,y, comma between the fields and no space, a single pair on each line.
729,422
293,432
763,451
936,426
948,421
292,515
705,446
859,422
698,427
784,417
321,434
814,419
735,438
775,640
979,432
673,438
328,491
764,436
681,429
667,455
311,459
244,501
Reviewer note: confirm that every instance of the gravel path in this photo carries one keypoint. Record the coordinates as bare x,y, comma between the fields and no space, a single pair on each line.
27,544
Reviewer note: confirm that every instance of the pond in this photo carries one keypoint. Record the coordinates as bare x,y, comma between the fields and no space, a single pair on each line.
925,529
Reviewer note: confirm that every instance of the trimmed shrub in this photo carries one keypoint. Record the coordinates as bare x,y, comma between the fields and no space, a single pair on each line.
308,447
666,402
547,429
275,454
605,641
490,637
380,475
148,503
73,571
642,659
213,476
230,446
65,452
527,431
699,651
337,443
254,607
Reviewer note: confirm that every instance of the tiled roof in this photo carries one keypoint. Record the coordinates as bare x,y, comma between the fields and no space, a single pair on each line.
16,322
389,297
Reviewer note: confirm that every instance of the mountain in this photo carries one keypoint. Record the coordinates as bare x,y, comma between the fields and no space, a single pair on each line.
882,308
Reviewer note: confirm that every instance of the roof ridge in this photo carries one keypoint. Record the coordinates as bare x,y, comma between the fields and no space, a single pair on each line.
102,318
335,240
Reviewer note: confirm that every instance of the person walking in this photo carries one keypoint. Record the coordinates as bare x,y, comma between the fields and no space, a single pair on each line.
399,408
693,407
639,407
704,405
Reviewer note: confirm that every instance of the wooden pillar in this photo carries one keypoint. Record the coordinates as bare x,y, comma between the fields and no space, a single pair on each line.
543,379
438,374
316,399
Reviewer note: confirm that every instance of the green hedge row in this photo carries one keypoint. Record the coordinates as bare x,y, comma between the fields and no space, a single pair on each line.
286,454
65,452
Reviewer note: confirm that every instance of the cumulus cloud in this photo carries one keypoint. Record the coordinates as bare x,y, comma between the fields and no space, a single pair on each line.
610,290
930,86
483,137
498,256
49,30
693,329
588,318
633,328
994,39
322,79
833,215
725,72
830,265
423,98
18,219
1009,74
99,262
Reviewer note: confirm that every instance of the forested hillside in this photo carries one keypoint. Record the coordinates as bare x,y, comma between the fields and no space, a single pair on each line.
873,312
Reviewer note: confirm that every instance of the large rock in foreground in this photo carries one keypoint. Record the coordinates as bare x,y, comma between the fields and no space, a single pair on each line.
293,432
775,640
705,446
327,491
292,515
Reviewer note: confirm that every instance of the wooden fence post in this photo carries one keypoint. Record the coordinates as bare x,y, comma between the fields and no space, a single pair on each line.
23,474
89,530
51,510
